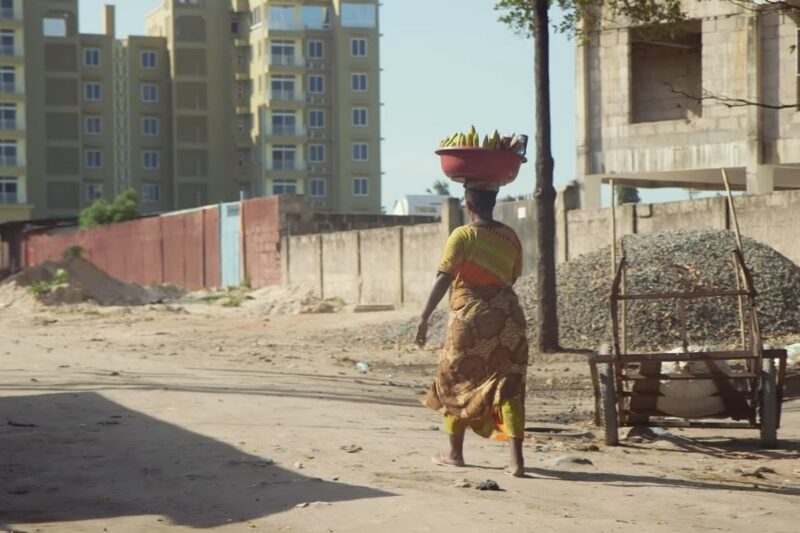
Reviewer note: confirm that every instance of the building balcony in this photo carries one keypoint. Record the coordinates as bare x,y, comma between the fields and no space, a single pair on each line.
11,162
242,76
9,14
285,131
11,52
286,166
287,96
243,110
286,61
9,198
11,125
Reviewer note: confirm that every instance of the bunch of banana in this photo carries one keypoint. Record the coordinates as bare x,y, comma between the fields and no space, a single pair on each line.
471,139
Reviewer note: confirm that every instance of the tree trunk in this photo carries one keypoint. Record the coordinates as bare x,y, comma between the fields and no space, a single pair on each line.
545,194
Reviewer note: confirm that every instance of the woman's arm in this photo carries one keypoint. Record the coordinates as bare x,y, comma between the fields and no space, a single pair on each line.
438,291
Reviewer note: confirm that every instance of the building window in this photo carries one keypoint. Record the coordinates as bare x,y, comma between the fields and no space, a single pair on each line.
235,26
360,152
149,93
316,153
8,79
54,27
7,44
316,84
91,58
255,16
9,192
316,188
359,82
151,193
94,191
284,187
242,157
281,18
93,125
663,72
282,53
284,157
316,118
358,47
284,123
149,60
8,153
359,15
151,160
94,159
360,117
360,187
150,126
316,17
316,50
92,92
282,87
8,116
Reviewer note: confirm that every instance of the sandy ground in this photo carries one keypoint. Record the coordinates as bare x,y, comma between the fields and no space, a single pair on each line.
167,419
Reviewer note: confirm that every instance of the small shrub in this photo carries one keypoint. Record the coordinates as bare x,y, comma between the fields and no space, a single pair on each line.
40,288
102,213
73,252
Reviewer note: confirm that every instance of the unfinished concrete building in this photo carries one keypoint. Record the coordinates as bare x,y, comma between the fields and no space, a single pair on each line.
673,108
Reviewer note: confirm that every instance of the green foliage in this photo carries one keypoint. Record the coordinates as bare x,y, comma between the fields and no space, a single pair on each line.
580,17
102,213
440,188
627,195
73,252
40,288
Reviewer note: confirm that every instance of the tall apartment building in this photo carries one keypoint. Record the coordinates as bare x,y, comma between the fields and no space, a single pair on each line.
223,98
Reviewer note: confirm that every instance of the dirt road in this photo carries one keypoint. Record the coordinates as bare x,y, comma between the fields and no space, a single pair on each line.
163,419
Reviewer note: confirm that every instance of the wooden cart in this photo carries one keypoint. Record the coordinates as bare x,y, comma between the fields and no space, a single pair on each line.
626,385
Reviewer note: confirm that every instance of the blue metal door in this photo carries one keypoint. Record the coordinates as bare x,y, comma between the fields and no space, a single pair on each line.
230,228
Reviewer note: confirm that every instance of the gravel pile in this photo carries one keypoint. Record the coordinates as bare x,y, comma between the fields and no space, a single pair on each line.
677,261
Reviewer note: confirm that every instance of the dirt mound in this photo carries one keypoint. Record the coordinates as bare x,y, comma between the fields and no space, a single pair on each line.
78,280
677,261
294,300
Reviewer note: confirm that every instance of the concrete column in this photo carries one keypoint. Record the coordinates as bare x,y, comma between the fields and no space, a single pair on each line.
568,199
286,261
591,191
452,216
760,179
109,21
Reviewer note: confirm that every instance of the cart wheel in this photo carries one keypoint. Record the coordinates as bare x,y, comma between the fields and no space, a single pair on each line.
769,405
609,405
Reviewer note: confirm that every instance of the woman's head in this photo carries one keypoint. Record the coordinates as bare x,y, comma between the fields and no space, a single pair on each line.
481,201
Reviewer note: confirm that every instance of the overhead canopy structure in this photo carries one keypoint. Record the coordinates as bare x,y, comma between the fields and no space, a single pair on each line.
785,177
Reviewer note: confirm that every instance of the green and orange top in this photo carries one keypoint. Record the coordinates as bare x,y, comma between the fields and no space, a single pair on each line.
482,256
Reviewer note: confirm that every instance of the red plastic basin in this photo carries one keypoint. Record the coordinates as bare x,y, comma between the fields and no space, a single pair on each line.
465,164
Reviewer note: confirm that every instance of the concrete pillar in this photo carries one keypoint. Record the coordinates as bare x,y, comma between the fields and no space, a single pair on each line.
452,216
761,179
591,191
568,199
109,21
286,261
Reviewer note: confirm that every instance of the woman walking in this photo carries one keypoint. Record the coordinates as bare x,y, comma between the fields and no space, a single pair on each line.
480,380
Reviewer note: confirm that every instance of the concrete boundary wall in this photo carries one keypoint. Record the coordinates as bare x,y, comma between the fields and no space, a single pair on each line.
397,265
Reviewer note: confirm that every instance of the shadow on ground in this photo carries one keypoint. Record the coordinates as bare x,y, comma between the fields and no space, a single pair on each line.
89,458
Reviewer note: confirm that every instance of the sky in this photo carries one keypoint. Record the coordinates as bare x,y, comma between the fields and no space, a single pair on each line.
446,65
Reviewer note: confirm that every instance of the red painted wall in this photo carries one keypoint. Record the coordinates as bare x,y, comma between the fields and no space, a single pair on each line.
261,241
182,249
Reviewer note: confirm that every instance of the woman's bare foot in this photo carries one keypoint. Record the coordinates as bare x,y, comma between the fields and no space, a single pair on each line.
445,459
516,471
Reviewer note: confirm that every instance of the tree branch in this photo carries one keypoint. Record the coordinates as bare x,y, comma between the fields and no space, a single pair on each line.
728,101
